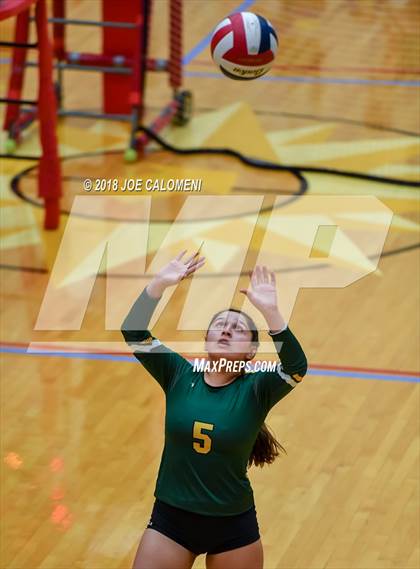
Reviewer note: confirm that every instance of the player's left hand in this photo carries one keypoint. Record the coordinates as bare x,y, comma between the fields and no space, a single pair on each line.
263,291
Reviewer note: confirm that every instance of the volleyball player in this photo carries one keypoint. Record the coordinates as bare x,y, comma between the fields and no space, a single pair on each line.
214,427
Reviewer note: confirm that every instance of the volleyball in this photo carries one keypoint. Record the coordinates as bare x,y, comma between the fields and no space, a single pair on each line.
244,46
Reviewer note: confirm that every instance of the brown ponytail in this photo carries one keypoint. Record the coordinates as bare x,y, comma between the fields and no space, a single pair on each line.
266,448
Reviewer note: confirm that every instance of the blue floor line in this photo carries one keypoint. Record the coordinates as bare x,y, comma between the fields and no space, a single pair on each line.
132,359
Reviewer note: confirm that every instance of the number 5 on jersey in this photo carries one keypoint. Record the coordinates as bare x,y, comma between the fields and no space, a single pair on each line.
204,446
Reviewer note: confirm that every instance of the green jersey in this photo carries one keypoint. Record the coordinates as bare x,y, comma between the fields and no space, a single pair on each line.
209,431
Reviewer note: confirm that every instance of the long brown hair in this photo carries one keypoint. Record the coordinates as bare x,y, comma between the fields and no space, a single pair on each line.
266,447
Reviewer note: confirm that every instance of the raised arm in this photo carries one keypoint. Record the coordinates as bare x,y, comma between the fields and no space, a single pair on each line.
271,387
161,362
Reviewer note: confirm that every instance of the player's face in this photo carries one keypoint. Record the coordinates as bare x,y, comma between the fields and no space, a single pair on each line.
229,336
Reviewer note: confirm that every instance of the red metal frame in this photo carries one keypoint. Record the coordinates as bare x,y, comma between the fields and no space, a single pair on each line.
123,95
49,176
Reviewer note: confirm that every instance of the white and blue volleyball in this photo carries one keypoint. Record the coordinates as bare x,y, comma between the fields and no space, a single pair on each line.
244,46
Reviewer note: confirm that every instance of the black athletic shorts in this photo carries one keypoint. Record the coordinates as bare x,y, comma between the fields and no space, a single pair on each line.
204,534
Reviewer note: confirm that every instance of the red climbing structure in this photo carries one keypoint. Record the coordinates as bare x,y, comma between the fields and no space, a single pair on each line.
43,108
124,61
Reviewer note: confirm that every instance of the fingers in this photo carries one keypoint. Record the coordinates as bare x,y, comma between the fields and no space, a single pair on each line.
190,258
193,259
196,262
179,257
254,281
262,275
193,270
195,266
265,274
195,255
257,276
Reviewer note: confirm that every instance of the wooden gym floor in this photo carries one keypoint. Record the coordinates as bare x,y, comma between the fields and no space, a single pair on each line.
82,428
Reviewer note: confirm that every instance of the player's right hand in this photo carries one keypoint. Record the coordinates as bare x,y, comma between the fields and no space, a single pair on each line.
179,268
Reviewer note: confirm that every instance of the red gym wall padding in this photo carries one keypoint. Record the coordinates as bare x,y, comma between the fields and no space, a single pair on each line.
117,88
